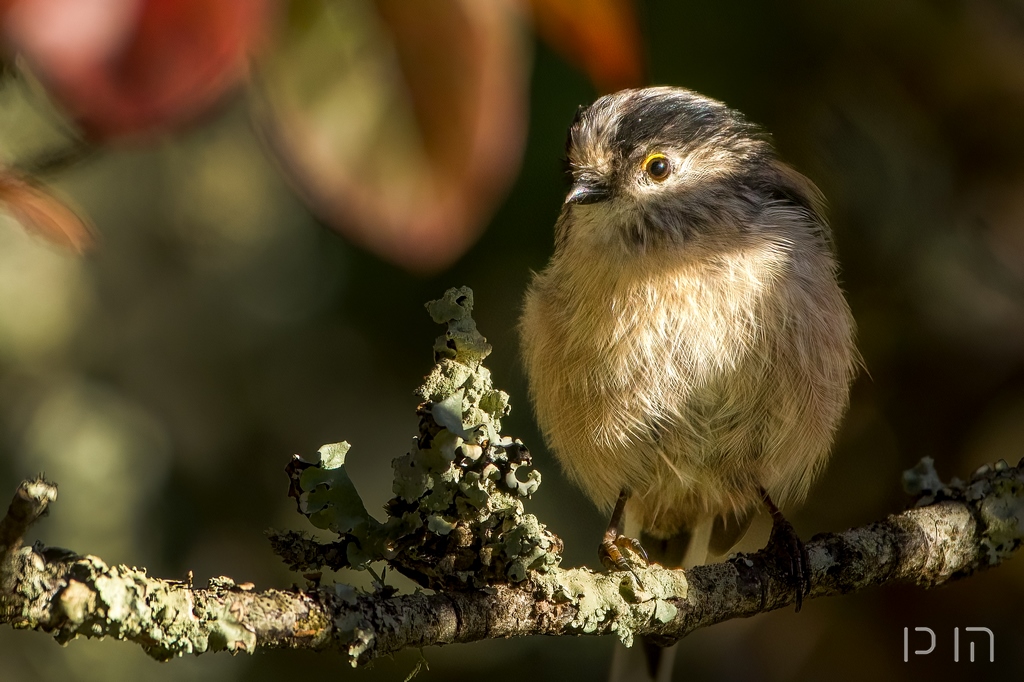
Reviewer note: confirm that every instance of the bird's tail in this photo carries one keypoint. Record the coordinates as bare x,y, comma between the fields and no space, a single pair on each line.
646,661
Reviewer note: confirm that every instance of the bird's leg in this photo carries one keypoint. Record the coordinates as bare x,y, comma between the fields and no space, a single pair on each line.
786,544
614,539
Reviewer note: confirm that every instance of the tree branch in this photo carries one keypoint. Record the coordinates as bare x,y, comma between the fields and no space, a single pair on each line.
457,525
974,526
30,502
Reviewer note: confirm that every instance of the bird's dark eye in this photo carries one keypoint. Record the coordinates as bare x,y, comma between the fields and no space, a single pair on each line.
657,167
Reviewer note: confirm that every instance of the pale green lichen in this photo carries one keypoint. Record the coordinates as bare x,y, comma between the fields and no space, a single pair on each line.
100,600
332,501
997,492
616,597
1002,511
457,518
922,479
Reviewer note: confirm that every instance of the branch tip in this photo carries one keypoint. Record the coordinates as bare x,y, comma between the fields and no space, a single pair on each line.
31,500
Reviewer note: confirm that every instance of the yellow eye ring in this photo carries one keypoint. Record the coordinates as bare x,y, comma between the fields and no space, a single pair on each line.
657,166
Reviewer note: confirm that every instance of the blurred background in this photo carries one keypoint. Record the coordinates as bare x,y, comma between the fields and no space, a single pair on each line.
219,222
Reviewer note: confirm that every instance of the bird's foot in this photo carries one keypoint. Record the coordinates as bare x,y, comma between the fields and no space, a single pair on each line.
791,555
616,552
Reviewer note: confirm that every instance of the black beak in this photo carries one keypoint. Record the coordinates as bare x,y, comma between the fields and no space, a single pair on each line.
584,192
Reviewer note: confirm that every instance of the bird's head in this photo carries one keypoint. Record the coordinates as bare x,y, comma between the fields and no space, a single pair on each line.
667,165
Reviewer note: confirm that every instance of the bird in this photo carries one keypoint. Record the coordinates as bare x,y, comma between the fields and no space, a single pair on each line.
688,348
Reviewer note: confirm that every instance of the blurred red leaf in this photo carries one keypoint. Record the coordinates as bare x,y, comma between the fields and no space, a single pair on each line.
404,126
135,66
602,37
41,213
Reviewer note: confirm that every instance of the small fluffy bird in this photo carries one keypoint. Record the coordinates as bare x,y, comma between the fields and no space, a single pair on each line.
688,347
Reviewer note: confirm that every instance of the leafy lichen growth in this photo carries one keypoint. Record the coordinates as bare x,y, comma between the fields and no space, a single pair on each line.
457,519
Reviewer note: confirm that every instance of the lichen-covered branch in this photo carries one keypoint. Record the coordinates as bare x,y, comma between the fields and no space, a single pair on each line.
30,502
458,526
976,526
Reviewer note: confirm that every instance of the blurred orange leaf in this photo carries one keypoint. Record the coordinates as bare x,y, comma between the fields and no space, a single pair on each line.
135,66
42,213
602,37
403,123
